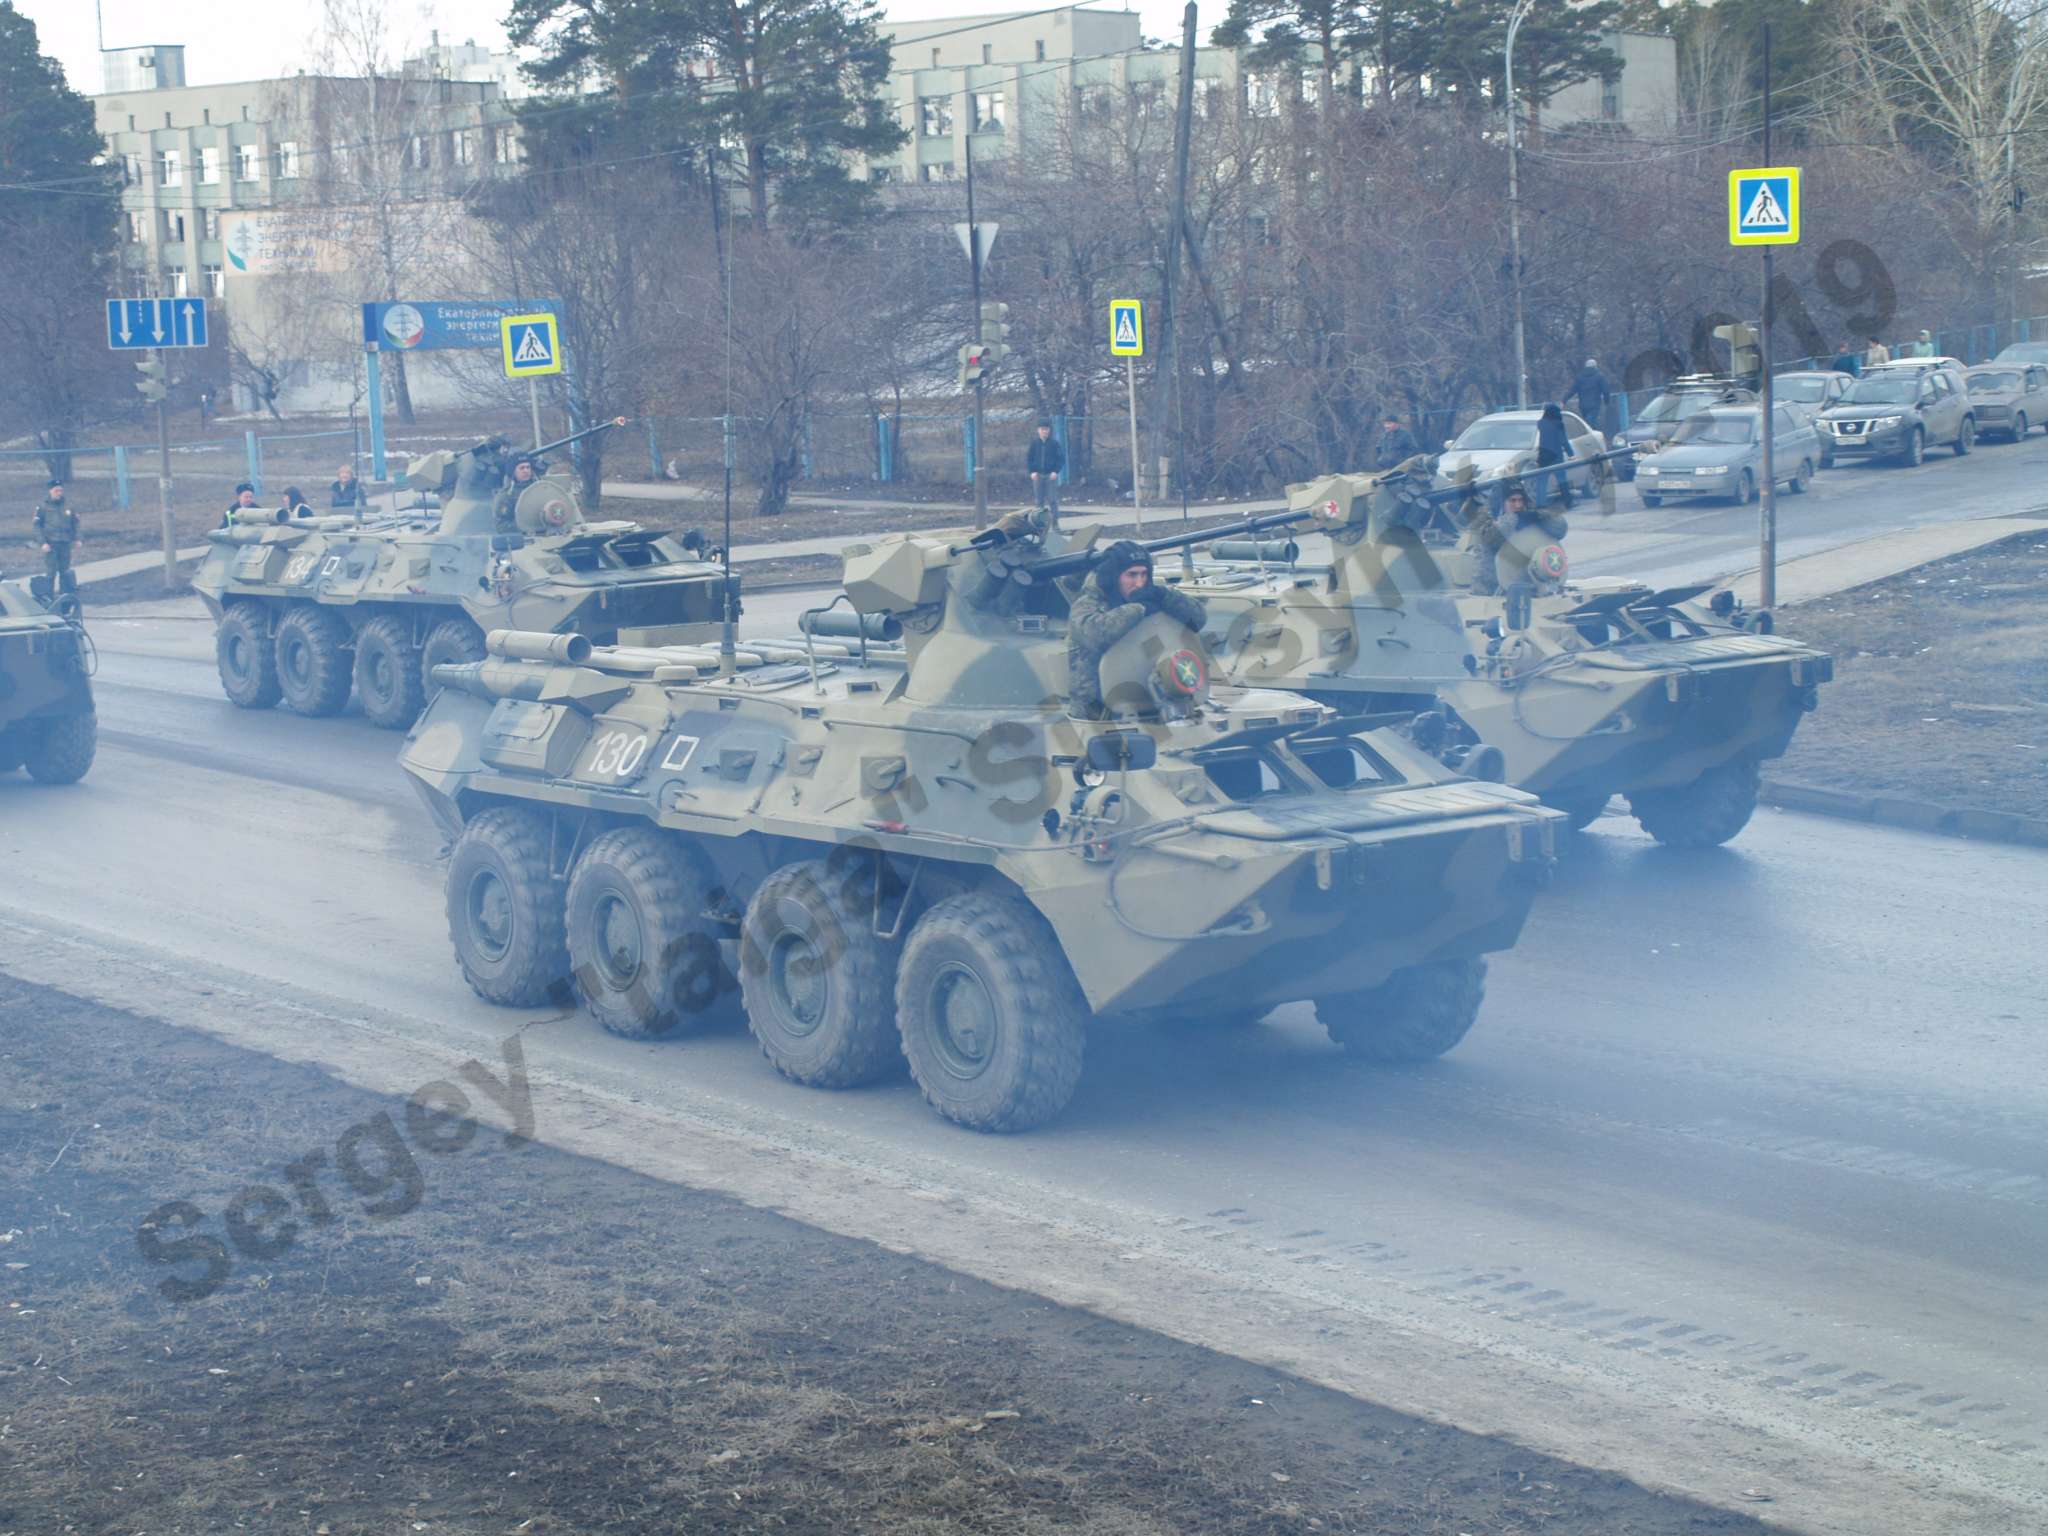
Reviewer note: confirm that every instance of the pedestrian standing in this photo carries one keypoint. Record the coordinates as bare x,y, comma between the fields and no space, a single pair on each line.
1044,459
1846,361
1876,353
56,525
1553,447
1592,391
1397,444
347,490
1925,346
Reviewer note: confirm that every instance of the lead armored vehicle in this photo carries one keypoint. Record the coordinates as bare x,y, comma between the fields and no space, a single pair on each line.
1588,688
888,839
309,610
47,724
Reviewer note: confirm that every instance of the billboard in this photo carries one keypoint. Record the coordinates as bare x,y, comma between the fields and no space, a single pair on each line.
422,325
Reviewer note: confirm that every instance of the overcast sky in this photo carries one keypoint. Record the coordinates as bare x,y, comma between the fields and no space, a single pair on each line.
257,39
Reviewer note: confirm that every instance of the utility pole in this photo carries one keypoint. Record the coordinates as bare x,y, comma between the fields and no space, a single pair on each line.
1176,227
974,298
729,601
1767,554
1515,214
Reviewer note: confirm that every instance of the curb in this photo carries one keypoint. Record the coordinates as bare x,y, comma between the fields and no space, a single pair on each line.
1914,815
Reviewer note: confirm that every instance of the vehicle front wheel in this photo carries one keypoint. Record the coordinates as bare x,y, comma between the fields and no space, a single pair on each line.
60,751
1798,483
819,985
505,908
1416,1014
2019,427
1580,810
313,663
1745,489
1915,450
643,947
1707,812
993,1021
1652,500
451,642
1966,436
388,673
247,659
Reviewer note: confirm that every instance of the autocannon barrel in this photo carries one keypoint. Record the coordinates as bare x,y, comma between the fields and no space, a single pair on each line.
1278,551
841,624
536,645
1082,559
496,679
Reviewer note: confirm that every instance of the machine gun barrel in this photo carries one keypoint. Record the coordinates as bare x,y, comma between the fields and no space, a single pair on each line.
1081,560
576,437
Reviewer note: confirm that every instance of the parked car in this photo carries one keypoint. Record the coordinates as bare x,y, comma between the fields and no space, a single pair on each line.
1720,452
1502,446
2008,398
1681,398
1897,410
2023,352
1813,391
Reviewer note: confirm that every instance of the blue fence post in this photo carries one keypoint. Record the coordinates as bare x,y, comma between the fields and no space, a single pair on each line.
121,478
883,457
1059,434
253,456
1621,411
967,438
653,451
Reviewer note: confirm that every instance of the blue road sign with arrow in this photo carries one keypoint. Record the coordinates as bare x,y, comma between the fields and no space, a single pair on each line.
135,324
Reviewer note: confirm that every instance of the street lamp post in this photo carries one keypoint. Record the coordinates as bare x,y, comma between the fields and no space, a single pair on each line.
1515,213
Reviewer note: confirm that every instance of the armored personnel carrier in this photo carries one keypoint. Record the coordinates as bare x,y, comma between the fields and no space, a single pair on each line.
47,724
887,839
312,609
1588,688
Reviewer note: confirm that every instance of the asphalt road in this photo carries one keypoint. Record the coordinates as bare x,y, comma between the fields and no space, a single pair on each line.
1741,1185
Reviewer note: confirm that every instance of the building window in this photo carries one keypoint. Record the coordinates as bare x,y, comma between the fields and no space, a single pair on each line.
1041,50
170,168
1261,96
465,146
131,169
1610,98
935,58
935,113
180,287
988,53
138,226
288,160
419,153
990,112
1094,100
216,281
246,159
174,226
209,165
209,223
883,173
506,147
941,170
206,115
1205,97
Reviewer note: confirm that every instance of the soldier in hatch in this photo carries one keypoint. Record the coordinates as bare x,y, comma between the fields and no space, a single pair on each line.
1504,545
1118,596
524,473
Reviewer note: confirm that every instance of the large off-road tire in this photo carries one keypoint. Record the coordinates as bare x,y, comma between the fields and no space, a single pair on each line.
1416,1014
993,1021
1580,810
1915,450
818,985
13,747
643,952
505,909
59,751
1708,811
1966,436
246,657
313,660
452,641
387,673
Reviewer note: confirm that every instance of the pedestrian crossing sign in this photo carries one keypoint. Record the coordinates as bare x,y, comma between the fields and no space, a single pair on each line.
1126,328
532,346
1763,206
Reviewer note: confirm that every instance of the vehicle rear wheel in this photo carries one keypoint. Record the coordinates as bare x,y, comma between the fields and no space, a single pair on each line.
1416,1014
819,986
1915,450
60,751
1798,483
451,642
313,660
1745,488
388,678
2019,427
1580,810
247,658
505,909
1966,436
643,948
994,1023
1652,500
1707,812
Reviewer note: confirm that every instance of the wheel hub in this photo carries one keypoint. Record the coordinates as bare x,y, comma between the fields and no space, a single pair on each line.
489,905
620,943
802,985
967,1025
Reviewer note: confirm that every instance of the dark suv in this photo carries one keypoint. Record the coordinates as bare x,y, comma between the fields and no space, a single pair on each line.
1898,410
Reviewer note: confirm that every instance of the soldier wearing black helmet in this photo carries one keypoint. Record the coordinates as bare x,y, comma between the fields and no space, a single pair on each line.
56,525
1118,596
525,470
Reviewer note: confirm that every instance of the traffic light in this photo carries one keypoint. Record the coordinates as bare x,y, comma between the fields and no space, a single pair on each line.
155,381
1744,354
974,361
995,330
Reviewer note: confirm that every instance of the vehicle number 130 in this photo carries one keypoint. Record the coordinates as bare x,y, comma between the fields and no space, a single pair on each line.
616,755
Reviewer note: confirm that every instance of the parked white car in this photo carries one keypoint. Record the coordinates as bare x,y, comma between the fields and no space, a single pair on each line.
1502,446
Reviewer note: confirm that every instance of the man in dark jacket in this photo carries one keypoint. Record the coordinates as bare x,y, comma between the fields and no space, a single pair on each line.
1592,391
1553,446
1397,444
1503,546
244,505
1118,596
1045,458
504,508
347,491
56,526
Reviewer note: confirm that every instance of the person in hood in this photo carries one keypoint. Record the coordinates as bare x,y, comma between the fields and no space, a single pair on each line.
1553,446
56,525
243,507
1118,596
1592,391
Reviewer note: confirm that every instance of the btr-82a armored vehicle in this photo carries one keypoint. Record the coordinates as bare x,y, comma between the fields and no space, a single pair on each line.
1588,688
307,609
912,850
47,724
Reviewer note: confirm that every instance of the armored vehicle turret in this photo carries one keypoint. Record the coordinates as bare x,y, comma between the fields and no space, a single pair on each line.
309,610
47,724
1588,688
887,838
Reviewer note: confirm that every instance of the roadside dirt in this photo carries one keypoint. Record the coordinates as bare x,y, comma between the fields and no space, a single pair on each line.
1941,683
502,1338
